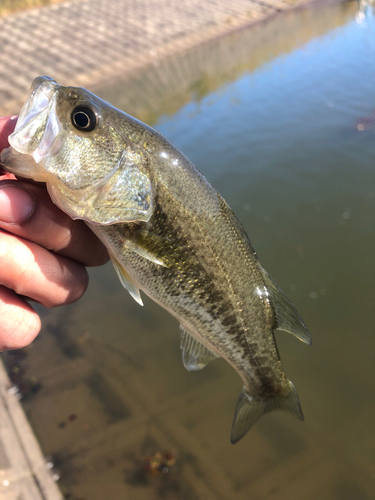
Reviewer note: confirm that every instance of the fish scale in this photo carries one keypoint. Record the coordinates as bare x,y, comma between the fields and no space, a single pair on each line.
169,233
233,326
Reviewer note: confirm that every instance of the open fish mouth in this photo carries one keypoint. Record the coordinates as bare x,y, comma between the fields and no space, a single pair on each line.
38,130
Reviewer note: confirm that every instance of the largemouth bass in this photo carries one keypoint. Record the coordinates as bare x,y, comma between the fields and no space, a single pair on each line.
169,233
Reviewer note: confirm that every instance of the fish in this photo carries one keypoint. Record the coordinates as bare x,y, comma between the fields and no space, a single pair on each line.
169,234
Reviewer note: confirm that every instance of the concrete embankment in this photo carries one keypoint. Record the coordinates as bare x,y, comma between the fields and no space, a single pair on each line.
88,41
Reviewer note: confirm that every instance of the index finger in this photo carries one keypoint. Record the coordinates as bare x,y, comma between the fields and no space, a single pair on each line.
48,226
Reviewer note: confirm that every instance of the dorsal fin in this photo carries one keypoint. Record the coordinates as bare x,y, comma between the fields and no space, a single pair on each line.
287,317
195,355
126,281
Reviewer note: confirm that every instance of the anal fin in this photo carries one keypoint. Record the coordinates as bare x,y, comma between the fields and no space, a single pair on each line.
126,281
287,317
195,355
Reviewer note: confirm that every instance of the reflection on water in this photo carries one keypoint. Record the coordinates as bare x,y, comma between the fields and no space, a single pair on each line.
167,86
365,10
277,129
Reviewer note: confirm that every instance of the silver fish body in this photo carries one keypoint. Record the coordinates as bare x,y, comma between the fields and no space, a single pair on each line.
169,233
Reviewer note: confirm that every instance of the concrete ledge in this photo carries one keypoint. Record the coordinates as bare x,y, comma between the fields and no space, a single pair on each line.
24,474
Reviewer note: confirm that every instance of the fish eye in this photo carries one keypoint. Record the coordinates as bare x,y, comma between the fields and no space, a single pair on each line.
84,118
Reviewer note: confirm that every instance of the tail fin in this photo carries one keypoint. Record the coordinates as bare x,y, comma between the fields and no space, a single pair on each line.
250,408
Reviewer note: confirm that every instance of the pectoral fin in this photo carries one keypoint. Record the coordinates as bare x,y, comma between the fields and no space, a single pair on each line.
195,355
287,317
144,252
126,281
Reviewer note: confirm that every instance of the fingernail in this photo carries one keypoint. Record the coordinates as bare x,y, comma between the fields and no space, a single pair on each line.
16,205
7,125
13,117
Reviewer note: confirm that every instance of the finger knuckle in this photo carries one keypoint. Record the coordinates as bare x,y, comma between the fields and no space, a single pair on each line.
75,286
18,326
17,263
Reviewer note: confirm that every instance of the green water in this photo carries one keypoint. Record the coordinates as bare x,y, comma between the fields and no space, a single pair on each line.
271,116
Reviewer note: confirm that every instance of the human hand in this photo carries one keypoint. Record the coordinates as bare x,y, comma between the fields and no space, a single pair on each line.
43,254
